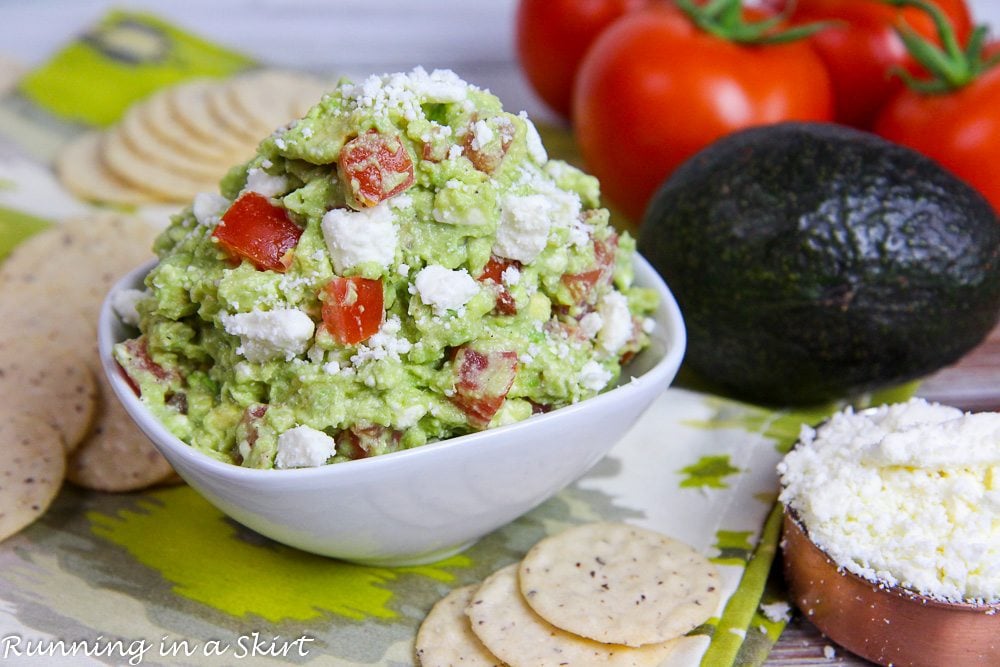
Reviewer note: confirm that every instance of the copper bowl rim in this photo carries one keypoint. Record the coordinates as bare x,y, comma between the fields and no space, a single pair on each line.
892,589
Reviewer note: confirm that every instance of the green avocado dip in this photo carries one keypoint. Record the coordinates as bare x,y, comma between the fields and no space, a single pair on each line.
400,266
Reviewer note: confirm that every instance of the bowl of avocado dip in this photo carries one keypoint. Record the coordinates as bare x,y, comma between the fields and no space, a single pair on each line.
396,328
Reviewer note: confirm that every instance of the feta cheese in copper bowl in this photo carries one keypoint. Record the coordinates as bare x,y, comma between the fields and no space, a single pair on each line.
892,532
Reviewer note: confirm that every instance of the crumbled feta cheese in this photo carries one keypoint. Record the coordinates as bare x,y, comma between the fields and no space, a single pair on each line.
123,302
536,149
510,276
265,184
400,201
776,611
616,322
906,494
455,152
403,269
593,376
385,344
481,134
331,368
405,93
590,324
409,416
445,289
208,208
648,324
304,447
524,227
270,334
356,237
829,652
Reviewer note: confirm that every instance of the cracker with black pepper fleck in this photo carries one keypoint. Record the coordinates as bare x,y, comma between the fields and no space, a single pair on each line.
619,584
508,627
32,466
445,638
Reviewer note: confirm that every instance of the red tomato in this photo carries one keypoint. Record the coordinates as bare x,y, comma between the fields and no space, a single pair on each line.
361,441
482,380
353,309
654,89
138,365
553,35
583,286
861,49
374,167
959,129
256,230
493,272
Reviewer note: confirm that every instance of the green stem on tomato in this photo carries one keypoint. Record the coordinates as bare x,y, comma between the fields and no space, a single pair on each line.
724,19
951,67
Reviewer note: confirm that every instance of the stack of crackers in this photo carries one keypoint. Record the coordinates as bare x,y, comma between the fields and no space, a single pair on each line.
60,419
598,594
180,141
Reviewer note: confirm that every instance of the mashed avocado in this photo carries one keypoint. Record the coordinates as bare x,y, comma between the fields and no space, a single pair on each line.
402,265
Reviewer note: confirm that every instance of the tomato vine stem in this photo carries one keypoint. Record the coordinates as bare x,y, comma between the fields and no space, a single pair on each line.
951,67
724,19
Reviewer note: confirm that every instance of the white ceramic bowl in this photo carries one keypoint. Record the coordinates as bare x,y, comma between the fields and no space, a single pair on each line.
426,503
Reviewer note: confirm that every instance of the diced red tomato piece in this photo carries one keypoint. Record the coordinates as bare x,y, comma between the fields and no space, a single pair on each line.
482,381
138,365
255,229
248,429
582,286
487,158
353,309
374,167
495,267
361,441
493,272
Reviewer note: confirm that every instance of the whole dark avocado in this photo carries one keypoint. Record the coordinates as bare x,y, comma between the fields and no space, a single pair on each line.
814,262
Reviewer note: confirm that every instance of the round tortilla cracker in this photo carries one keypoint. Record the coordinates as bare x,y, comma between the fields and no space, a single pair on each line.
189,104
156,114
220,104
81,168
619,584
57,387
445,638
136,137
31,470
155,178
116,456
77,262
509,628
269,99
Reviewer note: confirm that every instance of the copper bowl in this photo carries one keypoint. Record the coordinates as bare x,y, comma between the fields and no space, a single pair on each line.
885,624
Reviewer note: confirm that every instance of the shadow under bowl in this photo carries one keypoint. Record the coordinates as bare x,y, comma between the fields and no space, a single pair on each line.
426,503
885,624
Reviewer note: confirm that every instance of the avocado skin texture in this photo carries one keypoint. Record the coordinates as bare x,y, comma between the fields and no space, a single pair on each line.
814,262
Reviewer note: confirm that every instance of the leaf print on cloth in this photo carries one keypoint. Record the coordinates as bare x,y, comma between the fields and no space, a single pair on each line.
709,471
734,547
287,584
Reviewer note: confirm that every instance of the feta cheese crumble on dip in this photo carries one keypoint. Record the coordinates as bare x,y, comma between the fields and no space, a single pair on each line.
904,495
402,265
